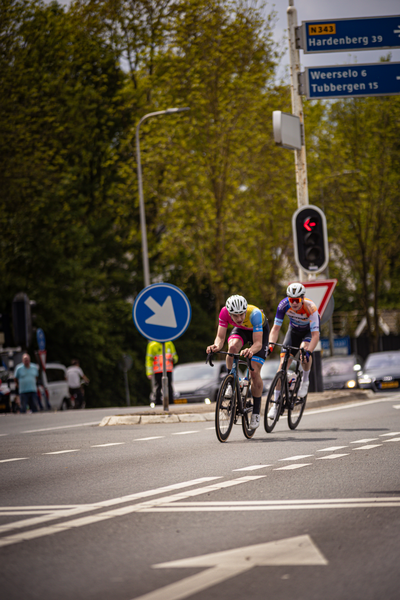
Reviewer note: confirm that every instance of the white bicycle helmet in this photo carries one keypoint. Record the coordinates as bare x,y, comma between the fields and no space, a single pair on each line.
296,290
236,304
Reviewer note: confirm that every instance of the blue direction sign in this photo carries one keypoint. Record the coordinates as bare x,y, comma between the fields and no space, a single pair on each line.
41,340
339,35
162,312
351,81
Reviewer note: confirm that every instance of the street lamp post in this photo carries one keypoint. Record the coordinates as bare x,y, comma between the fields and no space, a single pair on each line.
146,270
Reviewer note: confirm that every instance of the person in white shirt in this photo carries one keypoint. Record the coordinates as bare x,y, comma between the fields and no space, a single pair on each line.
75,377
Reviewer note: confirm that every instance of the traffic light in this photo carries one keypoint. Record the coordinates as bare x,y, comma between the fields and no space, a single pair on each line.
310,238
22,320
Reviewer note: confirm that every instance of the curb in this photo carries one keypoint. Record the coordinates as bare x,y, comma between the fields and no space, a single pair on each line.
161,418
202,413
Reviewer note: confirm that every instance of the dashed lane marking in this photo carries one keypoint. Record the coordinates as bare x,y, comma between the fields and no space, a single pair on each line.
331,456
12,459
332,448
392,440
62,451
291,467
297,457
368,447
154,437
364,441
390,434
252,468
110,444
184,432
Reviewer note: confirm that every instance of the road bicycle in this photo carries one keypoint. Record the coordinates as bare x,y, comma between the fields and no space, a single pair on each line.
236,402
289,383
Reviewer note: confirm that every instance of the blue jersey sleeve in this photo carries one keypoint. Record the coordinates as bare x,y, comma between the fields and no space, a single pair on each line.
256,319
281,311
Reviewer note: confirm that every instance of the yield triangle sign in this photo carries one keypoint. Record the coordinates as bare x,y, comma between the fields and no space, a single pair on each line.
320,292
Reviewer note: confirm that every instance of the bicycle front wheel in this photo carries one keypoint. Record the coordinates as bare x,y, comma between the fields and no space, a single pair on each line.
296,406
279,381
225,408
246,416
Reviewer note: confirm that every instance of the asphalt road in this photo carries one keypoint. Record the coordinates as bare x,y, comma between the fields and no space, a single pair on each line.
165,511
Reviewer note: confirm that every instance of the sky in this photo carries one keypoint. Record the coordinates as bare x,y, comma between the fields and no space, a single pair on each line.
313,10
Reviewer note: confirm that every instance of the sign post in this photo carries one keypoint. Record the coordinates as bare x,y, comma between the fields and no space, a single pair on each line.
162,313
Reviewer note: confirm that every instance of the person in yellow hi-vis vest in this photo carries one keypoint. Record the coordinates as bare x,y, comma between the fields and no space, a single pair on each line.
154,366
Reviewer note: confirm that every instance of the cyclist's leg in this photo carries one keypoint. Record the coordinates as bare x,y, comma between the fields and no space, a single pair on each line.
306,366
256,380
235,344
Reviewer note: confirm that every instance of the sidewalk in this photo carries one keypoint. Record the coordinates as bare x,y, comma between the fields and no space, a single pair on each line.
190,413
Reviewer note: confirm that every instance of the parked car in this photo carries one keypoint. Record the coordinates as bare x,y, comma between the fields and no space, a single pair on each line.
381,371
268,372
340,372
197,382
54,380
5,391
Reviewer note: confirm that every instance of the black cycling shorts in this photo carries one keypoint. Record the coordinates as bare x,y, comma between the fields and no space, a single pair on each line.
295,338
246,336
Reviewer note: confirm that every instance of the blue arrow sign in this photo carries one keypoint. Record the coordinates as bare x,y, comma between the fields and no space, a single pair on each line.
162,312
340,35
41,340
352,81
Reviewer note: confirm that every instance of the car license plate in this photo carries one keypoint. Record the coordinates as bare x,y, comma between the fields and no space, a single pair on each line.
389,384
180,401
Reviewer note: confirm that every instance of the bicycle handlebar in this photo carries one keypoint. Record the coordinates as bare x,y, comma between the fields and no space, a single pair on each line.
239,356
286,347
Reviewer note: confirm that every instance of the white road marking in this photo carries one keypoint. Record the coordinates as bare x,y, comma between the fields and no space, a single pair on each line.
297,457
62,451
12,459
332,448
252,468
2,434
390,434
331,456
184,432
273,505
396,406
62,427
291,467
368,447
117,512
392,440
364,441
230,563
155,437
105,445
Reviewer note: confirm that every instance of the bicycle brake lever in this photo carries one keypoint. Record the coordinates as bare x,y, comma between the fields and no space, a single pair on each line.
209,359
249,363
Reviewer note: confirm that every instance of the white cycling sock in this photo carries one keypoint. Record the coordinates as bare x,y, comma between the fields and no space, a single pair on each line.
306,376
276,394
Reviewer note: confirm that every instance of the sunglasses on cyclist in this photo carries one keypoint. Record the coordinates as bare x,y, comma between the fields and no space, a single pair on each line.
293,300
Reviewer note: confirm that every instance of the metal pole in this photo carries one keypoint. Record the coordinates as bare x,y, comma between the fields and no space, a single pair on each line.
164,381
297,109
146,269
128,399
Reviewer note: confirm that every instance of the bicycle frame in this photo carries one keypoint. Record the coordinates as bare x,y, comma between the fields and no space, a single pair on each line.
229,408
288,398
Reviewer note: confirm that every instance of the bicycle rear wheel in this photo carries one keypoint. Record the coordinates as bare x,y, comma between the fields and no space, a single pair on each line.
246,417
269,424
296,406
225,408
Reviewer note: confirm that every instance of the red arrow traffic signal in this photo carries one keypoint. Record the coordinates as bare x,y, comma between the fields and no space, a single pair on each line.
308,224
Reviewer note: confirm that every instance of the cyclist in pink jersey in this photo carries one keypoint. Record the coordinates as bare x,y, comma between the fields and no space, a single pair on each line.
250,325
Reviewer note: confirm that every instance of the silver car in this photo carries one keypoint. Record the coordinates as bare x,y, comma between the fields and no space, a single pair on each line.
54,380
197,382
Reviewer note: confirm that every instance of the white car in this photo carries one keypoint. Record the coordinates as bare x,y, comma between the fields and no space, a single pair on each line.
54,380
